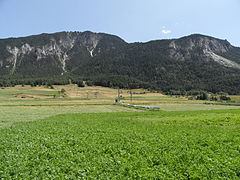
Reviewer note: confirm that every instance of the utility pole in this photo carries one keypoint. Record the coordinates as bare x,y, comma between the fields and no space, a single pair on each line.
118,93
131,95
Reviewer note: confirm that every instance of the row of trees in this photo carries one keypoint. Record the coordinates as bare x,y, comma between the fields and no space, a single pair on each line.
105,81
200,95
9,82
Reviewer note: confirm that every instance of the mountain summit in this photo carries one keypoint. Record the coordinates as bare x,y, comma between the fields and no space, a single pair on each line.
187,63
208,48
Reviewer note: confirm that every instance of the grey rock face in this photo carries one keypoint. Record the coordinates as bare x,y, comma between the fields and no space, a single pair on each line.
205,47
57,48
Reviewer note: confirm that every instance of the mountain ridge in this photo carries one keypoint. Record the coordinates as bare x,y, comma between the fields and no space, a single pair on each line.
185,63
88,31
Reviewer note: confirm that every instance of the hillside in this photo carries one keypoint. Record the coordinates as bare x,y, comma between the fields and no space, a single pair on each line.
194,62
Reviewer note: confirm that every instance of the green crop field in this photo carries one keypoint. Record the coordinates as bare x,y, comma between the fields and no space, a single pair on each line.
12,114
134,145
83,135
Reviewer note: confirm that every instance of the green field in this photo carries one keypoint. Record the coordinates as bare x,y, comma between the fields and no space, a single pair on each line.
12,114
75,137
140,145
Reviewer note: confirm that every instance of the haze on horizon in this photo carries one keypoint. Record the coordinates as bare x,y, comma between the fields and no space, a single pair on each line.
134,21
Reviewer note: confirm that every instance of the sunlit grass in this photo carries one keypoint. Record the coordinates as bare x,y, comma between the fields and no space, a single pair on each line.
147,145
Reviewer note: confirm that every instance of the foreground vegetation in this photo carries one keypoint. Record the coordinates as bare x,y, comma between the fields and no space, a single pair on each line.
180,145
43,137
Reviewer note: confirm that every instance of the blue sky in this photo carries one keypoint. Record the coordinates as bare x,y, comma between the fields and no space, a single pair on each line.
132,20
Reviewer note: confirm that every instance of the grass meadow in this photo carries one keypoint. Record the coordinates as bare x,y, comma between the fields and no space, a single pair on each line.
84,135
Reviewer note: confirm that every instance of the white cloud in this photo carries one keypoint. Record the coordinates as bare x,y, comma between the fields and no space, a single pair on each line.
165,31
